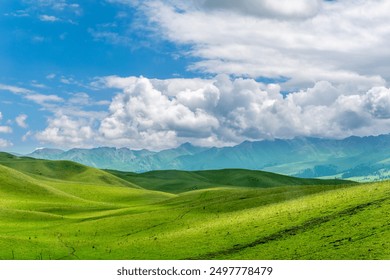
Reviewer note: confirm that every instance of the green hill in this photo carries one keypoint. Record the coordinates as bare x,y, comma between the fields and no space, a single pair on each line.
175,181
61,170
77,215
17,184
64,186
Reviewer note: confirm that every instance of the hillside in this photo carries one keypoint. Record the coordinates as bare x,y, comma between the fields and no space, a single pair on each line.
176,181
355,158
63,187
43,217
62,170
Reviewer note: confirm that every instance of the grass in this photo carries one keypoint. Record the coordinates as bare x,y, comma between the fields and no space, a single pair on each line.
61,170
176,181
231,214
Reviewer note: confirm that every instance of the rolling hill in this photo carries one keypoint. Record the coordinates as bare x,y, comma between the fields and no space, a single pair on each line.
235,214
177,181
62,170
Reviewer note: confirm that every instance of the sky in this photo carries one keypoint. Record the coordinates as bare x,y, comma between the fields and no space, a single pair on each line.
155,74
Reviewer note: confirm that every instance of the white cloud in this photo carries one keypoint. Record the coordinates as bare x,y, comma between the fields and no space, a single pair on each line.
142,112
158,114
83,99
38,98
266,8
66,131
5,143
18,13
72,126
66,81
51,11
72,81
42,98
377,101
323,93
37,85
14,89
80,98
333,41
5,129
26,136
48,18
50,76
21,120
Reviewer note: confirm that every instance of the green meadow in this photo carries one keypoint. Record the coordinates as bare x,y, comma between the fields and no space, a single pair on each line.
64,210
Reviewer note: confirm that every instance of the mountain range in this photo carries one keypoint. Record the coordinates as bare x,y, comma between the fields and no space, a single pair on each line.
357,158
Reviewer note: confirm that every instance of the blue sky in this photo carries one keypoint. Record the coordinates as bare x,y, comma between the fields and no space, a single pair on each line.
155,74
60,50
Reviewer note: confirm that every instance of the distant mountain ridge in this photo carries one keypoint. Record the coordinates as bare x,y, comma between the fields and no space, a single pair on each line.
358,158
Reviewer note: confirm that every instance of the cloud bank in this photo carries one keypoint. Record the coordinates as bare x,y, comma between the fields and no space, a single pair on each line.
158,114
299,41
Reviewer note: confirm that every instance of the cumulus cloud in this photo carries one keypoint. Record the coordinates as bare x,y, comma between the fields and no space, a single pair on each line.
298,41
157,114
142,112
21,120
377,102
67,131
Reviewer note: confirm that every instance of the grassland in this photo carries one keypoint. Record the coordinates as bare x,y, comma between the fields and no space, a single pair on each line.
63,210
176,181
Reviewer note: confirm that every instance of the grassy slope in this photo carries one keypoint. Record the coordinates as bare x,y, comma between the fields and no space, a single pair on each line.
175,181
46,218
61,170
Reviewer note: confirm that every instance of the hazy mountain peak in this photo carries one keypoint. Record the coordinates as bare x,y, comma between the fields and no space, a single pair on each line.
360,158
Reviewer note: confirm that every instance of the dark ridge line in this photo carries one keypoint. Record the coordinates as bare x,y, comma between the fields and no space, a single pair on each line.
290,231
